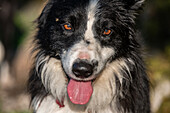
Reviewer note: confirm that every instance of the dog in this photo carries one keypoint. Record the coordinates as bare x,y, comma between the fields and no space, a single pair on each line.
88,59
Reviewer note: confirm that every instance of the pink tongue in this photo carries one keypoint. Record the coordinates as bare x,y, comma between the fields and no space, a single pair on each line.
79,92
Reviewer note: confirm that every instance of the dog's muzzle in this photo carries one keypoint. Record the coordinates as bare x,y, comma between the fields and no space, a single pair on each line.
83,66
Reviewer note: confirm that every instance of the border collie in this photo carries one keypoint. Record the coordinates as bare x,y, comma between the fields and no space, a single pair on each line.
88,59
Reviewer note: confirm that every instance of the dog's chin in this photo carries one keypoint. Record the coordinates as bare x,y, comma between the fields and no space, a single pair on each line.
80,90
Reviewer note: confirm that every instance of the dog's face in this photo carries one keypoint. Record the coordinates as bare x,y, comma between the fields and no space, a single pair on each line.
87,55
86,35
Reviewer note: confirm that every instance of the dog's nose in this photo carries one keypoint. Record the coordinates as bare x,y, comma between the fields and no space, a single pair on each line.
82,69
84,55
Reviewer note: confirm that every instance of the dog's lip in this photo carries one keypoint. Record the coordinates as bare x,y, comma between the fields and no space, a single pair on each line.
82,80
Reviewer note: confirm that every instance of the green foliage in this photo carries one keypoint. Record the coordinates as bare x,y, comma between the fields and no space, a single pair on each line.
165,106
155,24
159,70
159,67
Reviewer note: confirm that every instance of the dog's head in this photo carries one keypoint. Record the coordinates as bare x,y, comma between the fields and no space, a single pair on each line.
86,36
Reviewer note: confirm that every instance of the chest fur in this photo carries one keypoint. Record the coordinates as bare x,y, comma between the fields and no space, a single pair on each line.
49,105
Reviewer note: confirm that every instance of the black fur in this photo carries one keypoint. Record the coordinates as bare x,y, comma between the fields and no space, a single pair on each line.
118,15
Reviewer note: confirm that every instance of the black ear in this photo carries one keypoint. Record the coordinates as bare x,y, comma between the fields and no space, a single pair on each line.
44,14
133,4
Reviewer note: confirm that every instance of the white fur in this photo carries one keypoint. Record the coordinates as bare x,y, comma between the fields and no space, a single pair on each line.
53,77
89,36
104,90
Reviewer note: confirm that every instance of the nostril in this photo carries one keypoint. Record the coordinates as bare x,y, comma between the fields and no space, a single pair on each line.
82,69
87,42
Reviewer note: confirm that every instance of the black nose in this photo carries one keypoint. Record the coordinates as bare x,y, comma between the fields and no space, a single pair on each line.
82,69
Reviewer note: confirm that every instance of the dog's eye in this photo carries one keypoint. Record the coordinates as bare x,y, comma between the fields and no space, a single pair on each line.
67,27
107,32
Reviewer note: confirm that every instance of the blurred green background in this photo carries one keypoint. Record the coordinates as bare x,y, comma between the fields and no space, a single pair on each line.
17,28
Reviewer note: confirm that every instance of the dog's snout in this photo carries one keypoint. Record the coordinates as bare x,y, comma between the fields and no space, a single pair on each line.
84,55
82,69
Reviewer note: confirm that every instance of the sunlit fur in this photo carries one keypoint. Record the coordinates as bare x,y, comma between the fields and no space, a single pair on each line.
119,80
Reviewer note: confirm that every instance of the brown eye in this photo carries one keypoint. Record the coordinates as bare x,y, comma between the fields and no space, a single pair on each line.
107,32
67,26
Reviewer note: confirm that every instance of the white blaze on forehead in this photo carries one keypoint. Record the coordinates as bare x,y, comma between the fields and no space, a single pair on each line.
91,18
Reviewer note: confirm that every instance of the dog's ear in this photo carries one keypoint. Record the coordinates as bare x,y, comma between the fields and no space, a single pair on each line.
133,4
44,14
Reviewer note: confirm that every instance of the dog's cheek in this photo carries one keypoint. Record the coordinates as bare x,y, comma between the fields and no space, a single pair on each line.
105,55
104,89
67,58
107,52
54,78
65,62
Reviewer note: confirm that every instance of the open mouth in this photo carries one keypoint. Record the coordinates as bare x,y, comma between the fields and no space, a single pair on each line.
81,70
80,89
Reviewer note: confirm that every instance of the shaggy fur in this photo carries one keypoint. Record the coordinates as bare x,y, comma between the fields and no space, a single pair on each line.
120,83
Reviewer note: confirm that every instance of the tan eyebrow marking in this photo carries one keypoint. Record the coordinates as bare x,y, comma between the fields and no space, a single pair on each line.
57,19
